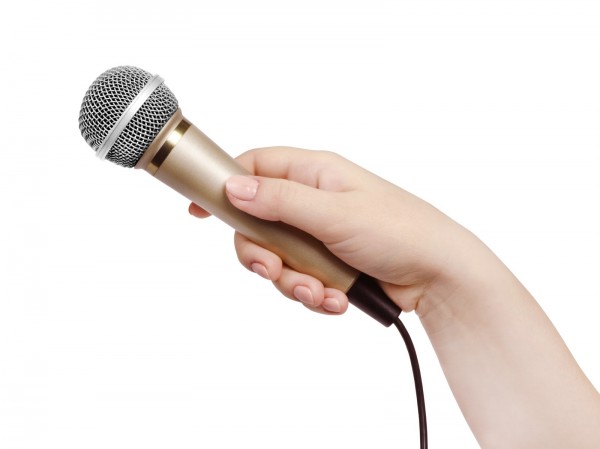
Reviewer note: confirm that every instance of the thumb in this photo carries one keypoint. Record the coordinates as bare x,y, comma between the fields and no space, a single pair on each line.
304,207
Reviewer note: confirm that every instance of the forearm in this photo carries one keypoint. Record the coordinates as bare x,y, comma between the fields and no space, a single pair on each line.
514,379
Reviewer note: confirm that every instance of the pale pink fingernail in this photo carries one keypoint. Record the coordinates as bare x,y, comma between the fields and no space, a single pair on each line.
304,295
260,269
242,187
332,305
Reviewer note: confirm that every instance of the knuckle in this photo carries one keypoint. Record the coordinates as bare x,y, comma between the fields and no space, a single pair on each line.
281,192
281,195
327,155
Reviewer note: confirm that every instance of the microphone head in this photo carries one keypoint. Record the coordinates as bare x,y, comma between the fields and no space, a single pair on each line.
122,113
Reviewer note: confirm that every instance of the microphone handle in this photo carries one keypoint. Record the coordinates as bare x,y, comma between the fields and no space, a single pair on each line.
185,159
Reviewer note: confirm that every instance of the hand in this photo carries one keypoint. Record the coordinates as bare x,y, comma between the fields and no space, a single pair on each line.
498,350
364,220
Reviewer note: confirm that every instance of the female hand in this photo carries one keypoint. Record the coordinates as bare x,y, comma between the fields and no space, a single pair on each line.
477,315
369,223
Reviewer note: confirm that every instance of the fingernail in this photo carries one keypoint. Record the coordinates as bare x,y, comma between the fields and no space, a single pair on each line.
242,187
260,269
304,295
332,305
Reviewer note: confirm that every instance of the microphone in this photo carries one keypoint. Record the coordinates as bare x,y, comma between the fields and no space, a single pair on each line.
131,118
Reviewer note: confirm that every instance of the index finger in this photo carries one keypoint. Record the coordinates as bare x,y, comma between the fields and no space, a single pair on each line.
319,169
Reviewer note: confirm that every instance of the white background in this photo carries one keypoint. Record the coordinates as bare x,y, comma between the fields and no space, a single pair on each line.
126,323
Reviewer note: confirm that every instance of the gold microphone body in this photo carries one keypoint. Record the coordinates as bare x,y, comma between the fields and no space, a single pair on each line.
186,160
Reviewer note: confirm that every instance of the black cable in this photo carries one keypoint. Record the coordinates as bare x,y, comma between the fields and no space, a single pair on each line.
366,294
414,363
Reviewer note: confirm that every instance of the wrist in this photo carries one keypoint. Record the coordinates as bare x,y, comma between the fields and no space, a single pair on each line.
469,285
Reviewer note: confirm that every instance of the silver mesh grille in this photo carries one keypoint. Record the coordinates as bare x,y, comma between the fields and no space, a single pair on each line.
106,100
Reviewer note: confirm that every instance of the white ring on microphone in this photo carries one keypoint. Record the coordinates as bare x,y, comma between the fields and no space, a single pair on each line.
127,115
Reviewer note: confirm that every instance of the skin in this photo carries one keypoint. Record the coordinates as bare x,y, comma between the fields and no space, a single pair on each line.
514,379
